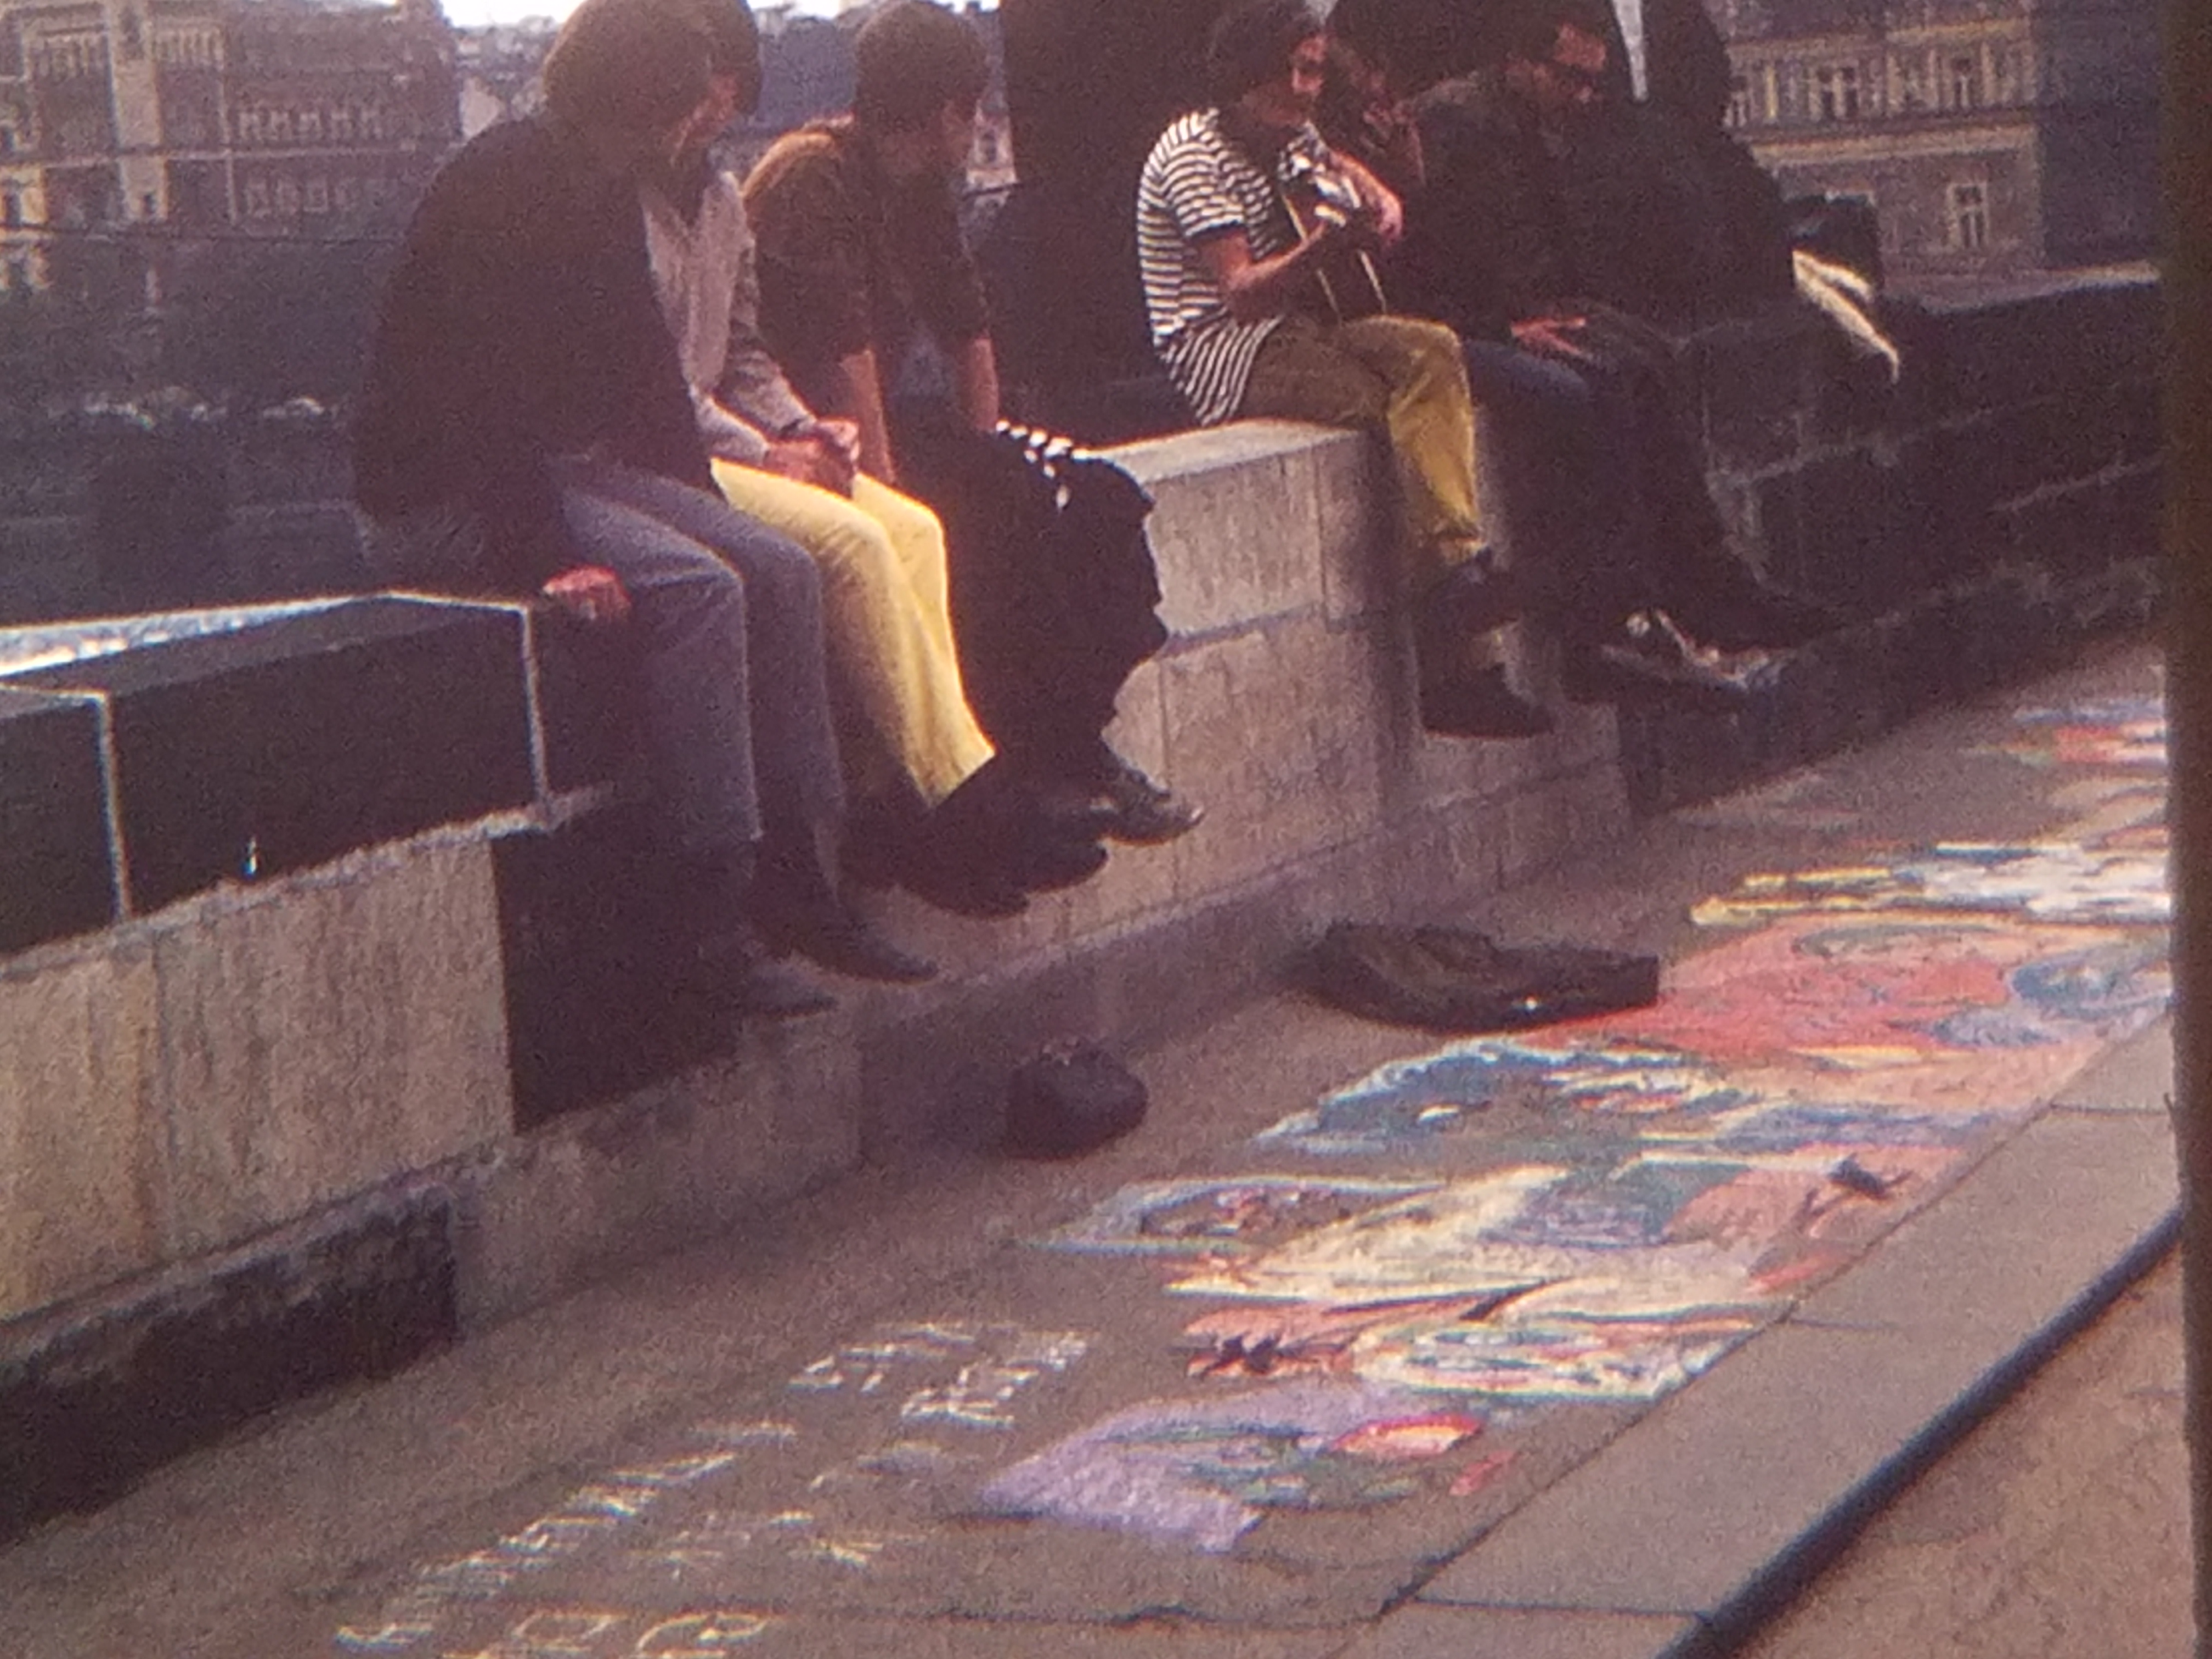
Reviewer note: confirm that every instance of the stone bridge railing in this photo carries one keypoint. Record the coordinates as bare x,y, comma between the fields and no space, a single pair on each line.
323,1039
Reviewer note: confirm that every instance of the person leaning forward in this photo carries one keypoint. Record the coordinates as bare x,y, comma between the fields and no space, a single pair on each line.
861,259
1229,277
525,428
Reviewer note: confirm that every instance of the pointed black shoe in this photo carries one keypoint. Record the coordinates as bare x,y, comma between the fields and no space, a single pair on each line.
1480,705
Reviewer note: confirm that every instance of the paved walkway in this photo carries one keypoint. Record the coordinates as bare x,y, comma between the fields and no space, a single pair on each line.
1580,1346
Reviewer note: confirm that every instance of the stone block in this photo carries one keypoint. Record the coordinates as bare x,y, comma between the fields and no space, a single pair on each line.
84,1192
57,871
329,1034
2137,1076
1752,384
1865,523
694,1154
1359,567
96,1396
1283,725
1230,548
1420,1632
589,711
283,746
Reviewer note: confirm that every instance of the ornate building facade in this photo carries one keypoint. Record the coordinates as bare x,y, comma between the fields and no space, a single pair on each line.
1993,136
294,115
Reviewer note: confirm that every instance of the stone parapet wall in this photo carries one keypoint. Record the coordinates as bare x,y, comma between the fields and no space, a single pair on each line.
329,1027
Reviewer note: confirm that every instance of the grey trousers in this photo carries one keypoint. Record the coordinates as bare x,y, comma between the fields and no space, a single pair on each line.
727,617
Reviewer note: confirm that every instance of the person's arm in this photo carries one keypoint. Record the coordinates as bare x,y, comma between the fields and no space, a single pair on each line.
859,399
1377,197
1256,289
976,383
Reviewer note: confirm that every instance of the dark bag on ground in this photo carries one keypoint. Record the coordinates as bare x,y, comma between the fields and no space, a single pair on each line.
1069,1099
1453,979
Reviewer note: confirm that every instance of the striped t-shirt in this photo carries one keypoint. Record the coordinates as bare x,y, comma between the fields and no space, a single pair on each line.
1198,182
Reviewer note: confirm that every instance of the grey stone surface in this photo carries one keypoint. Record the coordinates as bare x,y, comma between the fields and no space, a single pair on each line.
2137,1076
85,1194
1985,1266
1420,1632
329,1033
1229,555
688,1157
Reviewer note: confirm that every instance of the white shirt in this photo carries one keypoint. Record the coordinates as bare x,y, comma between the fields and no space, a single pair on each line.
708,280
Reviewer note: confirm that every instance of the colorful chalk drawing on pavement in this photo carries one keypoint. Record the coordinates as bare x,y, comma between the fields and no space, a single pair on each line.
1586,1217
2121,734
1203,1472
2123,884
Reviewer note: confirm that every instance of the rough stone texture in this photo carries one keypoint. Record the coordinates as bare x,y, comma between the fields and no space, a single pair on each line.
2135,1077
323,1038
56,869
97,1396
688,1157
1418,1633
84,1189
283,745
1228,553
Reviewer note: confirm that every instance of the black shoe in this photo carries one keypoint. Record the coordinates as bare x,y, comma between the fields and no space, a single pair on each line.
1751,612
1475,596
1650,658
964,880
1144,813
738,969
1481,705
820,927
1045,863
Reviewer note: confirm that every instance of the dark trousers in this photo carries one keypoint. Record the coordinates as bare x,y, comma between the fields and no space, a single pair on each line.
1604,473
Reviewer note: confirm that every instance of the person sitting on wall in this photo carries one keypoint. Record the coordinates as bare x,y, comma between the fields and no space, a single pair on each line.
1231,282
930,811
525,428
861,261
1495,247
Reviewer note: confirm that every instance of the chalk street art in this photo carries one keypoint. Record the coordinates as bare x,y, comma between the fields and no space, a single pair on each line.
2124,734
1590,1215
1216,1216
1203,1471
2052,882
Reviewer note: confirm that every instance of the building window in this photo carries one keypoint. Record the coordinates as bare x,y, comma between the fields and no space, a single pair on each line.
318,196
310,125
1739,109
1966,83
248,124
1911,85
280,125
372,122
149,206
12,209
257,198
1970,216
345,196
288,198
19,275
342,122
1836,92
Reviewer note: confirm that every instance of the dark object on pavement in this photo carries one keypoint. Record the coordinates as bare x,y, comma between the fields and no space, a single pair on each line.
1453,979
1069,1099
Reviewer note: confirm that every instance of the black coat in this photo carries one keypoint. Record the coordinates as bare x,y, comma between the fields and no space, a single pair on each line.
519,325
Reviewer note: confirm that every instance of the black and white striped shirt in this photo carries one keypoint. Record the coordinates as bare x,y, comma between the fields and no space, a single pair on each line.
1197,183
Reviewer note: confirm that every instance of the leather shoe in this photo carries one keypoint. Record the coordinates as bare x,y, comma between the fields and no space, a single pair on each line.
744,977
1144,813
1481,705
1651,658
821,928
1044,863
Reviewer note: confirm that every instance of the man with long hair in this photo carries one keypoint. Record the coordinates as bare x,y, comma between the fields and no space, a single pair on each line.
525,430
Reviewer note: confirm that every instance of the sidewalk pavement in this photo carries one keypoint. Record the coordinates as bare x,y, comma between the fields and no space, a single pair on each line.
1587,1343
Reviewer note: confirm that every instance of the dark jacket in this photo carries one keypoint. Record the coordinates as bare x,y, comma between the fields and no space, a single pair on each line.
519,325
1493,236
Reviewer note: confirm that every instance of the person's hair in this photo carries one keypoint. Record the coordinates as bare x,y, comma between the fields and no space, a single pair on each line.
641,65
1532,29
910,60
1252,42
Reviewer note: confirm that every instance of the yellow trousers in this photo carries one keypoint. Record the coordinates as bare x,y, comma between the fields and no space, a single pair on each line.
1405,379
894,673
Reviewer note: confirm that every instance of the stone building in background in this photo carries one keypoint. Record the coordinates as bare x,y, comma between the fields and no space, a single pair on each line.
294,115
1993,136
